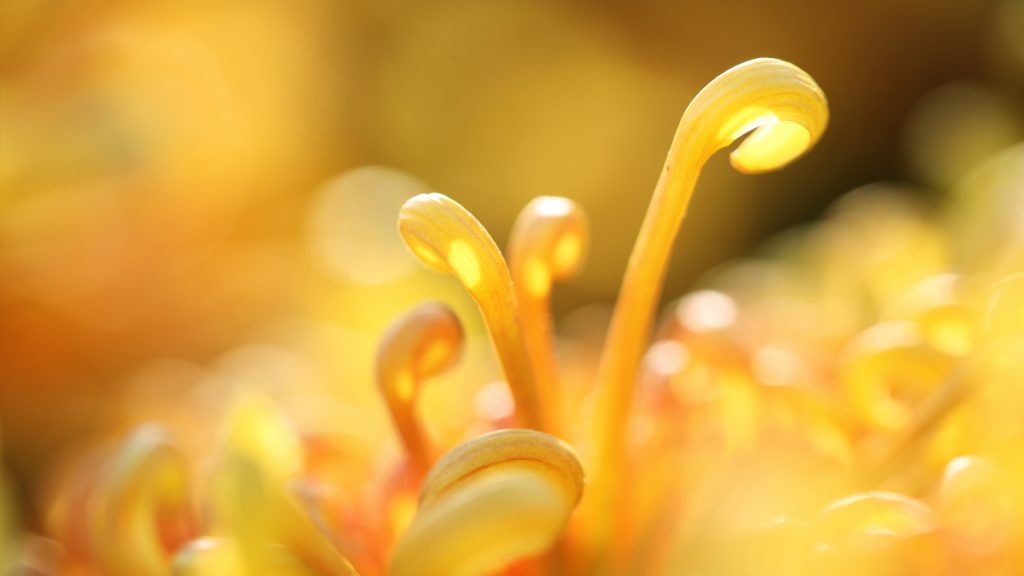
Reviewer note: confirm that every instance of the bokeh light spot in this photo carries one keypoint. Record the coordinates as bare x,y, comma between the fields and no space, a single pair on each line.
706,310
351,225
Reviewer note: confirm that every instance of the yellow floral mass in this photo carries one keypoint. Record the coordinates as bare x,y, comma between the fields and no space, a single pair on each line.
847,400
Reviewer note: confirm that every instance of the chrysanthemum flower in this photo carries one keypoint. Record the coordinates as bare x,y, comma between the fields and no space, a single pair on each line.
850,403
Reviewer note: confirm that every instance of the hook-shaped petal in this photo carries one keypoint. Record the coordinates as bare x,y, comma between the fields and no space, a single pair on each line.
503,496
420,344
445,237
548,244
787,112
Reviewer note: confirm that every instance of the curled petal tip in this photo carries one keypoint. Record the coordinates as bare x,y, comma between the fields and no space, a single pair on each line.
419,345
548,243
445,237
504,496
424,341
779,105
421,231
501,447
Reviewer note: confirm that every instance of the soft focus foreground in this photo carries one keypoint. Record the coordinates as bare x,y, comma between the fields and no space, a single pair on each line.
848,402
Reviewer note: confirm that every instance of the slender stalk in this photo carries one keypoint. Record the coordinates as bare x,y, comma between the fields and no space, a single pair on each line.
419,345
548,244
787,113
445,237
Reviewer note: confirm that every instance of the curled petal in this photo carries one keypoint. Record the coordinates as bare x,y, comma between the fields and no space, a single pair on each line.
418,345
445,237
498,449
501,497
787,113
548,244
778,104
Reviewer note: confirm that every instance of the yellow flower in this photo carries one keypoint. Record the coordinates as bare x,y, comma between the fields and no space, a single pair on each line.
851,403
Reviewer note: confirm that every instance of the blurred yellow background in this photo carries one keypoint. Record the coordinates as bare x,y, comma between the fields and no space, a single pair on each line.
176,177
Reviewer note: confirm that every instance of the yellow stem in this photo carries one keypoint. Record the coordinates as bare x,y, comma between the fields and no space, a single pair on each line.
548,244
445,237
787,113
